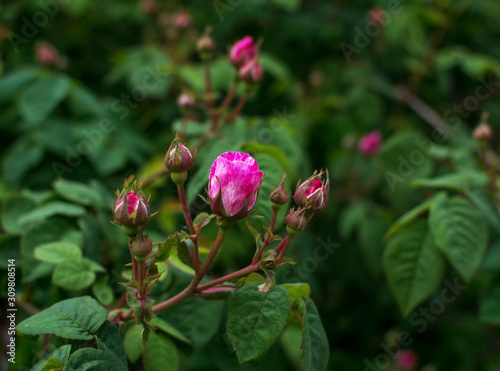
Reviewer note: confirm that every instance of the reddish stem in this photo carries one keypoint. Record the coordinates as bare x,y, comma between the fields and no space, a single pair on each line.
191,289
229,277
237,109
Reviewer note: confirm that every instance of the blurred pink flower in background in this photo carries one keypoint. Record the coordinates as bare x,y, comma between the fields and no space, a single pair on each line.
243,51
407,360
251,72
46,54
377,15
148,6
369,144
182,20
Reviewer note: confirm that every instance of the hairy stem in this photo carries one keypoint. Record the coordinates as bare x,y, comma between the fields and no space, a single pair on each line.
189,221
191,289
229,277
288,239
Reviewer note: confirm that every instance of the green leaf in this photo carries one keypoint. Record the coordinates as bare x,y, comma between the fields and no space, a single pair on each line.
61,353
73,275
57,252
454,181
315,348
20,157
41,98
414,265
461,234
12,212
290,342
110,341
77,318
482,201
132,342
169,329
52,364
195,318
50,209
46,231
256,319
164,249
78,192
87,359
268,149
13,83
160,352
370,236
103,292
351,217
489,309
412,215
296,290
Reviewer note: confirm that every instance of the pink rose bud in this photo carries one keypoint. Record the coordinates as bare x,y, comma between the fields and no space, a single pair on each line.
483,132
148,6
296,221
279,197
369,144
377,16
233,185
243,51
185,101
131,211
407,360
251,72
205,44
178,158
182,20
46,54
313,192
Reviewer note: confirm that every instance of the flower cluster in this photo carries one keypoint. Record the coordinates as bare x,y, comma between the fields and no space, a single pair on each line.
244,57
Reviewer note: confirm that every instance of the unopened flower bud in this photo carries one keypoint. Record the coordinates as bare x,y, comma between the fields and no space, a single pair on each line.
182,20
242,52
186,101
483,132
250,72
279,197
407,360
46,54
205,44
296,221
178,158
369,145
312,194
141,246
131,211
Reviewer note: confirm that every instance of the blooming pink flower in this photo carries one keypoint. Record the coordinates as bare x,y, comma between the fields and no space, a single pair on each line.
251,71
233,184
243,51
46,54
313,192
407,360
136,213
369,144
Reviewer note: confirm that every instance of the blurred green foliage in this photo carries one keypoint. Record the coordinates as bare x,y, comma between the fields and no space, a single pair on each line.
71,132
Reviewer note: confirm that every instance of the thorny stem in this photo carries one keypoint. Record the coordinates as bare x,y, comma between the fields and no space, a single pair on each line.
189,221
258,255
191,289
